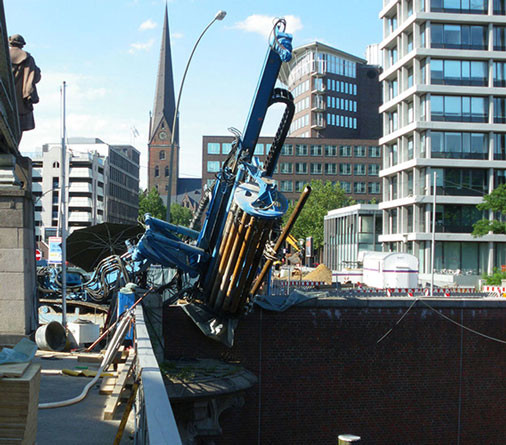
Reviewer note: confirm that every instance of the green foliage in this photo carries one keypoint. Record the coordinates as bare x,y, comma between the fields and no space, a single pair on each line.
151,202
323,197
495,201
496,278
180,215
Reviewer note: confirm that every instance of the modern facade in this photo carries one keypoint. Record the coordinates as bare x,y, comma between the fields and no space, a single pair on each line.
337,95
163,157
103,185
444,112
349,231
353,163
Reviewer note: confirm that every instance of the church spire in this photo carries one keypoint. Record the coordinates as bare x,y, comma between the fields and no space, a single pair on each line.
165,104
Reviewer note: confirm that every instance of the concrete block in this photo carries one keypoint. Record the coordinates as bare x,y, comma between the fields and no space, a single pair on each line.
13,260
9,238
15,286
13,317
11,218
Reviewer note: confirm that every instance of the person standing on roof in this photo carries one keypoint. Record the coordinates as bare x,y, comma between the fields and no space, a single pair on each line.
26,75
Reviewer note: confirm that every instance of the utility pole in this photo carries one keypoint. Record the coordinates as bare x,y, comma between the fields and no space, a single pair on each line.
63,211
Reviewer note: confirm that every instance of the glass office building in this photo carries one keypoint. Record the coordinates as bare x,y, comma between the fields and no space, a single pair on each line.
444,110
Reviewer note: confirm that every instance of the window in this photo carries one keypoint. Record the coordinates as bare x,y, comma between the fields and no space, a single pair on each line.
157,171
56,164
259,149
499,7
166,171
410,148
359,169
300,150
345,151
316,150
330,169
285,167
374,188
360,151
409,47
287,150
499,33
500,146
374,151
455,145
330,150
374,169
460,6
359,187
316,168
459,36
213,148
459,72
459,108
162,155
213,166
346,186
461,181
345,169
286,186
226,148
301,168
499,110
299,186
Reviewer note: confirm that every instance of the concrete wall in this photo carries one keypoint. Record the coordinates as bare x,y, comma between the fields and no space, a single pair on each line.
323,373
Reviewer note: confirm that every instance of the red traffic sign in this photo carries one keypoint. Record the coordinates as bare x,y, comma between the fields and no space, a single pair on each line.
38,254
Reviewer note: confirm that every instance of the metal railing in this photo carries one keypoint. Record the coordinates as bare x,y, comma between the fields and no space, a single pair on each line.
156,424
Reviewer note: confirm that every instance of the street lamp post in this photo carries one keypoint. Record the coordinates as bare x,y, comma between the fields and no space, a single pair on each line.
220,15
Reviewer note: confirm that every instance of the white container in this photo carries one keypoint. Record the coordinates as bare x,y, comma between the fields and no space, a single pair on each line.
384,270
84,331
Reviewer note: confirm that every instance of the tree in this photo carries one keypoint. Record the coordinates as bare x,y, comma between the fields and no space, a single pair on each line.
323,197
151,202
180,215
495,201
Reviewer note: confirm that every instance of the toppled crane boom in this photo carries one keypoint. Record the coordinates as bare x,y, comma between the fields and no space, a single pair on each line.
244,211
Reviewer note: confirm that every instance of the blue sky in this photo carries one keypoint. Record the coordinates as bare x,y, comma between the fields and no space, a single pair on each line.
107,51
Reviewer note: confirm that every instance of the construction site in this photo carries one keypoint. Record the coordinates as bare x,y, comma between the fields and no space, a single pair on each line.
216,333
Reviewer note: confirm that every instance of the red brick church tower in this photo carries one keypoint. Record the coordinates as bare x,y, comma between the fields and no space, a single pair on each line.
160,131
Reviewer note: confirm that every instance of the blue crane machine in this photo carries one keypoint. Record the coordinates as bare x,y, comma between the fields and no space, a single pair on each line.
244,207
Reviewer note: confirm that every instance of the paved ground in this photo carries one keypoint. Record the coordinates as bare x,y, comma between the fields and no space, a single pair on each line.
75,424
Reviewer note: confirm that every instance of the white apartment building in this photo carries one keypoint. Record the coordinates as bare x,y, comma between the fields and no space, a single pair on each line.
103,185
444,111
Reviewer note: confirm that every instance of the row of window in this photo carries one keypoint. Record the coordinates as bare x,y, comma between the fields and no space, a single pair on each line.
372,188
328,168
315,168
301,88
338,120
342,104
299,123
342,87
321,62
302,104
359,151
468,6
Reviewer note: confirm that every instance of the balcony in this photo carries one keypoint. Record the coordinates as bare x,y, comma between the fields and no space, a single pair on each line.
80,202
80,172
80,217
318,104
318,122
80,187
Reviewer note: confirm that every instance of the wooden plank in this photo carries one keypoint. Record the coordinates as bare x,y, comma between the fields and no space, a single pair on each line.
107,385
13,369
90,358
112,402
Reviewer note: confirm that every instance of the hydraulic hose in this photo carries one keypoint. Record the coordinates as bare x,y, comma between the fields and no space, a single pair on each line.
112,348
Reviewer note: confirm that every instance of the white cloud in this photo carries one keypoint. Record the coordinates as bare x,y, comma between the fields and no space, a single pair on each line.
176,35
141,46
262,24
148,24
